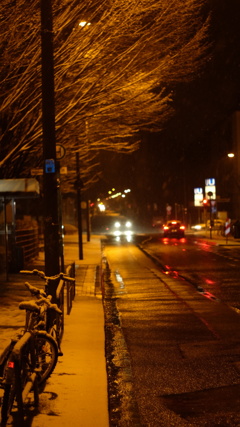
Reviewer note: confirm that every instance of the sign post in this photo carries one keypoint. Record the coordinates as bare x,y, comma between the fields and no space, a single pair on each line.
227,228
51,185
210,194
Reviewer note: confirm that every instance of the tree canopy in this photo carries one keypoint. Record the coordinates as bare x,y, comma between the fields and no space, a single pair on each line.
116,62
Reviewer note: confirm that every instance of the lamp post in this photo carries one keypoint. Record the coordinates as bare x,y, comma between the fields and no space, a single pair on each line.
79,207
50,167
226,187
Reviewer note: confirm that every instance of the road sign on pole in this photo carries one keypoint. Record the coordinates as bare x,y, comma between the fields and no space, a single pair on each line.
60,151
37,172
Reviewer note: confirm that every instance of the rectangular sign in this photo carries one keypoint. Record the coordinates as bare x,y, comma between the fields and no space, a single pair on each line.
50,166
210,187
36,172
198,196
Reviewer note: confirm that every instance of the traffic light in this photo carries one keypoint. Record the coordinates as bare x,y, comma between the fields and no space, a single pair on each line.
205,202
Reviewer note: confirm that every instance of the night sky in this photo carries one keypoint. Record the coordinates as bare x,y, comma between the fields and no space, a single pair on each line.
170,164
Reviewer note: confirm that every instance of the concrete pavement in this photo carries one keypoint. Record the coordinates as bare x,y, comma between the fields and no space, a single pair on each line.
76,393
216,238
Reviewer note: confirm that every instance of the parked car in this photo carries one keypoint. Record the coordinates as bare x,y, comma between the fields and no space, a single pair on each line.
174,228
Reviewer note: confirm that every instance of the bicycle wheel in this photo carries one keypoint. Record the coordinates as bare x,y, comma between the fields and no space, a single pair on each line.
8,400
46,354
56,331
9,384
24,371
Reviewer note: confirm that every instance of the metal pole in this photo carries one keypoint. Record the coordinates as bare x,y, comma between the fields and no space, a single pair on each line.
79,207
50,172
6,237
88,223
210,194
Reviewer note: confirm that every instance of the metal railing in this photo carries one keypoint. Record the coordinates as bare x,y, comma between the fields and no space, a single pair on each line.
28,240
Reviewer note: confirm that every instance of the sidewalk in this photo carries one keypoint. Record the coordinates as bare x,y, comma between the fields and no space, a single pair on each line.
76,393
215,238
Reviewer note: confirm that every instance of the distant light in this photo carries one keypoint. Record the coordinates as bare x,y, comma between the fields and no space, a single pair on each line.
101,207
231,155
115,195
84,24
197,227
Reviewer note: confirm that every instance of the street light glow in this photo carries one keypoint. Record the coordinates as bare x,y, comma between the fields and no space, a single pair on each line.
230,155
84,24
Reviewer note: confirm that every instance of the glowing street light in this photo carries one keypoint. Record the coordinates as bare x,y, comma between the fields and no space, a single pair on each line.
84,24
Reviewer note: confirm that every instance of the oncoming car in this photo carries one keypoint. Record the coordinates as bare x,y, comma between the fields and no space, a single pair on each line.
174,228
112,225
121,227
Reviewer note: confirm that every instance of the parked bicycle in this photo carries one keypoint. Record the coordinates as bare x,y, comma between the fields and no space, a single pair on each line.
32,354
37,320
54,315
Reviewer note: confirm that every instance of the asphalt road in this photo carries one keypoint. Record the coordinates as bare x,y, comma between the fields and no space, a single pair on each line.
212,268
175,344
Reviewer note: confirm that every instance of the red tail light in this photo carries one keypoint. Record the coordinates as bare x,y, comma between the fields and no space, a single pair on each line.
11,365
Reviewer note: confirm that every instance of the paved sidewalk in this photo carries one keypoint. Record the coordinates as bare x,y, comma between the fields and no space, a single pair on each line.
216,239
76,393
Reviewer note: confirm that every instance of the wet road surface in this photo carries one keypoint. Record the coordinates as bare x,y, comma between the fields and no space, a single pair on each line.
210,268
183,348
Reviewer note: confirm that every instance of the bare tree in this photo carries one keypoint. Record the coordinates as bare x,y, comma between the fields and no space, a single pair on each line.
116,62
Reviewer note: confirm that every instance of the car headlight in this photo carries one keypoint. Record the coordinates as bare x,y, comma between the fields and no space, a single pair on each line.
128,224
117,224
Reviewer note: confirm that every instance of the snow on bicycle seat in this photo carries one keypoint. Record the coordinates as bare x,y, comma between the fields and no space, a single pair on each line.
29,305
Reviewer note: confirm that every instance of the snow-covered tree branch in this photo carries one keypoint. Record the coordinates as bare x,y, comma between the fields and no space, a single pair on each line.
116,62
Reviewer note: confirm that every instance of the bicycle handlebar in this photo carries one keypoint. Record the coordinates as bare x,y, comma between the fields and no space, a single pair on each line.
42,298
34,272
47,301
41,274
35,291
